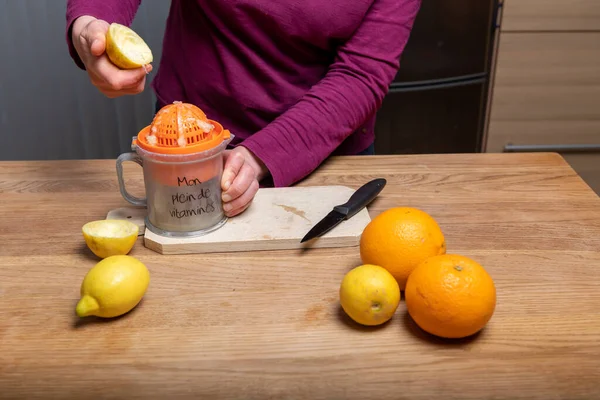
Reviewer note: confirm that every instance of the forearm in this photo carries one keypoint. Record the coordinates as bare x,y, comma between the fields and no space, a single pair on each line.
120,11
295,144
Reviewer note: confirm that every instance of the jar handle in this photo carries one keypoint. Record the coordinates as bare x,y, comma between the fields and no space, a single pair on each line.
136,201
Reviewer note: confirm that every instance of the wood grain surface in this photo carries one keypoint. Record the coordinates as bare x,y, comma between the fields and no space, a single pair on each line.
267,325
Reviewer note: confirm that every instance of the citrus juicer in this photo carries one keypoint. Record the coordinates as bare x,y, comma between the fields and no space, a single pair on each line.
181,155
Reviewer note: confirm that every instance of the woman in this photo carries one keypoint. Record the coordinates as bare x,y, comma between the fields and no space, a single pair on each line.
295,81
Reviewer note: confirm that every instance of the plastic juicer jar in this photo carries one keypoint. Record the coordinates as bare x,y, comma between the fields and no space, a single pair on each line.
181,154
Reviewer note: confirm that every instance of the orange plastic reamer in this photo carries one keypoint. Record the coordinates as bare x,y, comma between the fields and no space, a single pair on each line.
181,128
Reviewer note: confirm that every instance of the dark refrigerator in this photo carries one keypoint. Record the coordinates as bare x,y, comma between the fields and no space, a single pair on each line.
437,103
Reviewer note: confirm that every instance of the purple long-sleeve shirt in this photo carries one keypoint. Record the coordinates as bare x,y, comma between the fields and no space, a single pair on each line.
295,80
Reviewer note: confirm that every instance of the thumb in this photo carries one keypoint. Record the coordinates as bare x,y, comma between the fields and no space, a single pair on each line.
95,34
97,44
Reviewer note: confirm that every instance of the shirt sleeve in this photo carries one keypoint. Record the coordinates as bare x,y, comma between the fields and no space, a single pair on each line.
300,139
120,11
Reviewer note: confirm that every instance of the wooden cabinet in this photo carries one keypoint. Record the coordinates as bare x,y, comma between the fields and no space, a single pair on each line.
546,91
550,15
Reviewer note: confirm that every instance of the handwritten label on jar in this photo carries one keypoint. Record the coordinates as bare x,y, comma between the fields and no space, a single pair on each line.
195,201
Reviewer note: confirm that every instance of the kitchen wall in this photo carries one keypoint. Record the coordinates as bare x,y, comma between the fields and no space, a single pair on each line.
48,107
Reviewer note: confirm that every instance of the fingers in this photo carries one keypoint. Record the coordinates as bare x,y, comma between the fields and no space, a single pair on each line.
113,85
240,184
107,90
113,94
108,78
140,87
240,204
233,164
116,78
243,185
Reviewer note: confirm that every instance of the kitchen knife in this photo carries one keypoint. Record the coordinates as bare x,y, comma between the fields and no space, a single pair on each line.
359,199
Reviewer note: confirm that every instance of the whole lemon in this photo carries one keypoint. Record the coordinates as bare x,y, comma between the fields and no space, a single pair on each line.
399,239
369,294
113,287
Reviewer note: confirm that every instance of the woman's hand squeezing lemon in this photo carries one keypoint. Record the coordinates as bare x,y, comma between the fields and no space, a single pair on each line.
95,40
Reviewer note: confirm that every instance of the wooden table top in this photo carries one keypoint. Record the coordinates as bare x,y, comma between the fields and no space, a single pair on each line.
268,324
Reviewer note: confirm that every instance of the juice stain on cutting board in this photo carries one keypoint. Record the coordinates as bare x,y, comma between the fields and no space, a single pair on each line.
294,211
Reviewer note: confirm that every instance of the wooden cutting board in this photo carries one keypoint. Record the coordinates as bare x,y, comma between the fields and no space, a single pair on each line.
277,219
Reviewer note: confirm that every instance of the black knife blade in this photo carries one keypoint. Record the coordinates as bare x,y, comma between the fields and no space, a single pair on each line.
359,199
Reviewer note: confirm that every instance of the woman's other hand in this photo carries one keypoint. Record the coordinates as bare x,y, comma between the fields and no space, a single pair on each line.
89,39
241,174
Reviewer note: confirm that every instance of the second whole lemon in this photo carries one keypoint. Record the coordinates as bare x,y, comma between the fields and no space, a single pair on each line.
399,239
113,287
369,295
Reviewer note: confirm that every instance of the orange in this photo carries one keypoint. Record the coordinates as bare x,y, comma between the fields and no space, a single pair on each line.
450,296
369,295
399,239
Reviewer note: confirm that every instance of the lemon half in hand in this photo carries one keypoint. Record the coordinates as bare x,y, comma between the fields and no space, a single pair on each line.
110,237
125,48
113,287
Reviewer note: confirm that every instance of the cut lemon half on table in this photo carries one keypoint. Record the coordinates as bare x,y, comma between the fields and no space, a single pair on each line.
110,237
125,48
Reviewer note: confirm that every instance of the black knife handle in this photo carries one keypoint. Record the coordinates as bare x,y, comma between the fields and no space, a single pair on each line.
363,196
